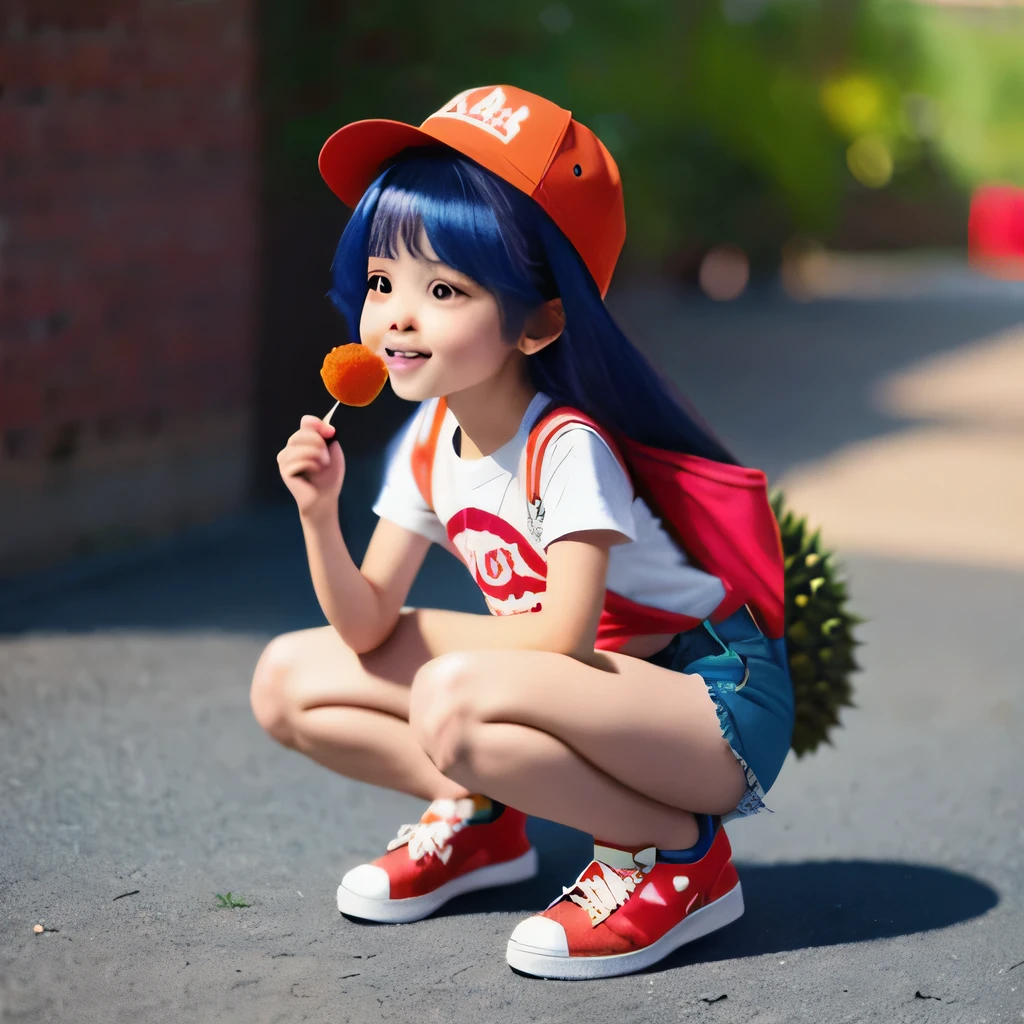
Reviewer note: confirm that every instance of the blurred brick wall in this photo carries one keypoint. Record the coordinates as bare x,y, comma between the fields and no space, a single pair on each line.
128,264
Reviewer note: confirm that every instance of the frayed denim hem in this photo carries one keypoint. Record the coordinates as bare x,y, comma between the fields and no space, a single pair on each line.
752,800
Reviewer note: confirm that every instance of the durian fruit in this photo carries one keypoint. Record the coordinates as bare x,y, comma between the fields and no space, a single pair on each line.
819,631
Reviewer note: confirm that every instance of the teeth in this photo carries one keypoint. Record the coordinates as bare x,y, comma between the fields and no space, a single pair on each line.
407,355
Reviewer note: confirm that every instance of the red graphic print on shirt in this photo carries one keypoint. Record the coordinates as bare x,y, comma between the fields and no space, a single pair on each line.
507,569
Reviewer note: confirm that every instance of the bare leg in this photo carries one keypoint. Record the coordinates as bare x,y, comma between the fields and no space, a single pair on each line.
624,753
494,723
540,774
378,749
349,712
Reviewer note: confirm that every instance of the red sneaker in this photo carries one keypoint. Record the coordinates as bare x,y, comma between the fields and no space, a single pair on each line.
441,856
616,920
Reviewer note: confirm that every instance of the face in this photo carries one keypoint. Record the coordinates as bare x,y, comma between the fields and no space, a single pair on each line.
438,331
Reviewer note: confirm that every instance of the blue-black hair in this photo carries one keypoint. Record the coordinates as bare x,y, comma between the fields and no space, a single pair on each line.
495,234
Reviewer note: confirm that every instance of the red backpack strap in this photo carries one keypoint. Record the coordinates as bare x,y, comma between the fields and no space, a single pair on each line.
423,453
545,431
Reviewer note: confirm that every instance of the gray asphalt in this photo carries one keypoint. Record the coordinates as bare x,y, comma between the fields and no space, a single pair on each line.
135,785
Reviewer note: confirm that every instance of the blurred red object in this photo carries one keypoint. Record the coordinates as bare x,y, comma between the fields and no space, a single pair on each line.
995,231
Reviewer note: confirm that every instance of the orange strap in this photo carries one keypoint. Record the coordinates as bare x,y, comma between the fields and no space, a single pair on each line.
544,433
423,453
541,436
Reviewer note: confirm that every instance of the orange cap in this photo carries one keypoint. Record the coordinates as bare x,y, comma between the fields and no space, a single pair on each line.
523,138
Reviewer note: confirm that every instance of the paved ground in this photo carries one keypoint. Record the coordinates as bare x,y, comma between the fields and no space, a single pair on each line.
134,784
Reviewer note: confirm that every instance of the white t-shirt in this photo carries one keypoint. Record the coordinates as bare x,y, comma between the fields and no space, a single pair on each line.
483,517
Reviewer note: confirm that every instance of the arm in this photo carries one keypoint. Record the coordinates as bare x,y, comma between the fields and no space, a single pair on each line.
363,605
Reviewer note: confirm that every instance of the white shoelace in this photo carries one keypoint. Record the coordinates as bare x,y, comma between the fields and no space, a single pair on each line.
602,894
433,836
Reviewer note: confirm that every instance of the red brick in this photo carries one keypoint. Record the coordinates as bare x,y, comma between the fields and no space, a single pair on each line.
129,266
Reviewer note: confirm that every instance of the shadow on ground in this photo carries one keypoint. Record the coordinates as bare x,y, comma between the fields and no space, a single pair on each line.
788,906
245,575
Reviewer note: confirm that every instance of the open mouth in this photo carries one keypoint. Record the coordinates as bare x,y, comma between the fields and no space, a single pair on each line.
406,353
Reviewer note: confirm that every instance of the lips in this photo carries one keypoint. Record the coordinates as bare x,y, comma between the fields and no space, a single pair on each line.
398,353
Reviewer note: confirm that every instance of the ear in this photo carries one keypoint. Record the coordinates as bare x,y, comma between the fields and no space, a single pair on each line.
543,326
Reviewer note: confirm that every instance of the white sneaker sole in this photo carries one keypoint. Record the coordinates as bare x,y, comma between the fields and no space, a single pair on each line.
415,908
545,964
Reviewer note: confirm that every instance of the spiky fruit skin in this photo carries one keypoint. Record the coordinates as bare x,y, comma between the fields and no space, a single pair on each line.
819,631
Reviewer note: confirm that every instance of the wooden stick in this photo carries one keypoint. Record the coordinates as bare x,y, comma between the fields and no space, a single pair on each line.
327,418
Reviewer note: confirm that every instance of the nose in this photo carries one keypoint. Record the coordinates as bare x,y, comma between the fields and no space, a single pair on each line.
405,319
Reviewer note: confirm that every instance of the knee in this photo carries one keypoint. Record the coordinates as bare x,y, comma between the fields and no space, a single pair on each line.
270,692
443,709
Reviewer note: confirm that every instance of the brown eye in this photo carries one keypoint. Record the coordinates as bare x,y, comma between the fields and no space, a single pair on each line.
378,283
442,291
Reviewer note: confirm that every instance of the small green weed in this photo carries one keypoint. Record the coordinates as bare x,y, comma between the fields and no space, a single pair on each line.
228,900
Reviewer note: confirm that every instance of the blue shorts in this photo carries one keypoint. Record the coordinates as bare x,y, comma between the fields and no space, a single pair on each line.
747,676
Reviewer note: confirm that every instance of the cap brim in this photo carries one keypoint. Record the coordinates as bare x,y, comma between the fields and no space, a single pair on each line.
352,156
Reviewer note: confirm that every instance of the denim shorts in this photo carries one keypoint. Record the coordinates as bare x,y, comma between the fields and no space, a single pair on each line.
747,676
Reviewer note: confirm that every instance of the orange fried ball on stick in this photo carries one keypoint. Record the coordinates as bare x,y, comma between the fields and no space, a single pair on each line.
353,375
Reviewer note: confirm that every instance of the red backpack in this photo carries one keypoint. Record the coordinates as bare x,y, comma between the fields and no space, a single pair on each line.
717,513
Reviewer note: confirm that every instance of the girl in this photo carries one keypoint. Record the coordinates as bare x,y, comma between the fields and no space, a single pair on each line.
598,693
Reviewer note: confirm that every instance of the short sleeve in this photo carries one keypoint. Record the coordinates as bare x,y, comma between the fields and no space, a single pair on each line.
584,487
400,500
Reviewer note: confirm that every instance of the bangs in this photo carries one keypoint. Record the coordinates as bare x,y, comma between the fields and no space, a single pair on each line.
469,223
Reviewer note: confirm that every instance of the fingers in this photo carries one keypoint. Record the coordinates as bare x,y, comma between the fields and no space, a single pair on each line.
314,448
307,442
307,451
307,468
316,424
302,457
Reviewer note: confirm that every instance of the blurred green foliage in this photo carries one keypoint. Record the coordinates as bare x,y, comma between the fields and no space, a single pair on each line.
747,121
